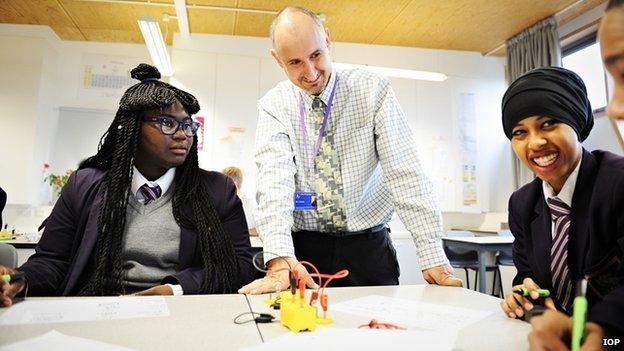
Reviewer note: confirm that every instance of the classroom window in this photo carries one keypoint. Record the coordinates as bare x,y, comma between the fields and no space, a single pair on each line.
583,57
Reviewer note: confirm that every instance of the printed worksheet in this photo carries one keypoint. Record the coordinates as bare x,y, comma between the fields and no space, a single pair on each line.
411,313
84,309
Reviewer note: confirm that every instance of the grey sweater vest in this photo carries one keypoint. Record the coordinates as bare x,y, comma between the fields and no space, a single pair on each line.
151,242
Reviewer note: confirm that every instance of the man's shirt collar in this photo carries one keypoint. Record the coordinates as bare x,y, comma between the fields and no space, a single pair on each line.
324,95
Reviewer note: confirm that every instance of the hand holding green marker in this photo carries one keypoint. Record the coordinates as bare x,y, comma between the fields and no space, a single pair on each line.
13,277
579,314
526,292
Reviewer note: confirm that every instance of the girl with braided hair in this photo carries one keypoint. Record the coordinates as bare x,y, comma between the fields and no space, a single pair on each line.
140,216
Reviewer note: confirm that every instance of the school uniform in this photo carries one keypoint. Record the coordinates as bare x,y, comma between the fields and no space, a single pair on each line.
595,240
62,255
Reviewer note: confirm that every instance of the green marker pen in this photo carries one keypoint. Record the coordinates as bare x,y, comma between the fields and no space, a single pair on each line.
13,277
526,292
579,314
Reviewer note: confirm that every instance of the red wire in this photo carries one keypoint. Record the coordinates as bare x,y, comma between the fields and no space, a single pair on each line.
374,324
321,287
338,275
313,267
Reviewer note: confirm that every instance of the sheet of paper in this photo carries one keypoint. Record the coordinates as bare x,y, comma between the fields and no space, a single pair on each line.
55,341
411,313
332,338
84,309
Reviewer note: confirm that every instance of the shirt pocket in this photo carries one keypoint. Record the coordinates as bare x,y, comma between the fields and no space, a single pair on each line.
359,136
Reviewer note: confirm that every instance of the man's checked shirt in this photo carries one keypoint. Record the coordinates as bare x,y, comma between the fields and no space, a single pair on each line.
378,160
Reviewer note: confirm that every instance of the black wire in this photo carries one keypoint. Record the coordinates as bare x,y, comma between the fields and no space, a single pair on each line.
265,270
262,318
276,305
243,314
251,309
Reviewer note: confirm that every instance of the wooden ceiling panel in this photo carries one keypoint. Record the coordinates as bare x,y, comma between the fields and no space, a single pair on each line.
118,22
114,16
473,25
9,15
253,24
348,21
224,3
355,22
464,25
113,35
210,21
45,12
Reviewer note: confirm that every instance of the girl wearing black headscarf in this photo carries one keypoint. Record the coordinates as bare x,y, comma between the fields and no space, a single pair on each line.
568,223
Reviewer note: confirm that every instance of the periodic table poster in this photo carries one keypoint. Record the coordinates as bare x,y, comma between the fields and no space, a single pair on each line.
105,76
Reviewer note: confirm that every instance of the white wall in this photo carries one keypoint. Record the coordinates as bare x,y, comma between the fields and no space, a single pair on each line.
42,74
228,75
47,112
78,136
27,110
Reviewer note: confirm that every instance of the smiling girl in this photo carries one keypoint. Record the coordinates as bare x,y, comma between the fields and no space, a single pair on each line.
568,223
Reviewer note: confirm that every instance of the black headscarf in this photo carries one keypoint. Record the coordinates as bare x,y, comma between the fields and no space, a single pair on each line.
550,91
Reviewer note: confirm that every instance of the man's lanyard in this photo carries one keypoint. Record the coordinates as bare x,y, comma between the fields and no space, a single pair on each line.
304,131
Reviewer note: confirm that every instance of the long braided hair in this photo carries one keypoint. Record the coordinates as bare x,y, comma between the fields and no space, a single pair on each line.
116,155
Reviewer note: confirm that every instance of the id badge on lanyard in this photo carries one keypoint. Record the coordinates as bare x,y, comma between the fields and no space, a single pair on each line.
306,201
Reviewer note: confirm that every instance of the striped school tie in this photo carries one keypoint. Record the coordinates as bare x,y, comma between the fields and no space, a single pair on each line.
150,193
560,273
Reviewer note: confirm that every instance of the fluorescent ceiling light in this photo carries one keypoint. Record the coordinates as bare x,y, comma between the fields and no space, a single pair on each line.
155,44
180,7
397,72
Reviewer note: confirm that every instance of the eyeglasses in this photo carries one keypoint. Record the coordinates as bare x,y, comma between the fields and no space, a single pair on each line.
170,126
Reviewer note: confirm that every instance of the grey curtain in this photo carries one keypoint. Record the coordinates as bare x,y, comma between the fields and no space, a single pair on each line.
536,46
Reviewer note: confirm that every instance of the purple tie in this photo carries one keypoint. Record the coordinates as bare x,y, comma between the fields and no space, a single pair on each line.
150,193
560,273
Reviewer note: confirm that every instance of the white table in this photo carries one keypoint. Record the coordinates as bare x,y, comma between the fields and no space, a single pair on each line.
478,231
483,245
206,322
495,332
195,323
21,242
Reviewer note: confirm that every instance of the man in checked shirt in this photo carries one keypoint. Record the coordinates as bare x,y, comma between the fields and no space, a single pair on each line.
336,157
